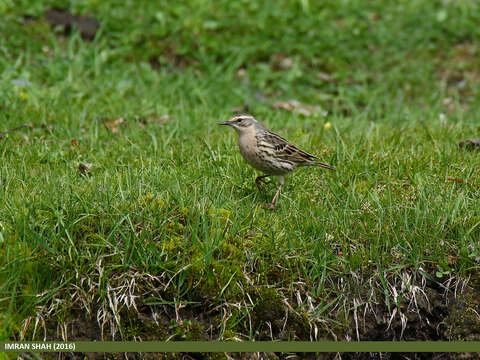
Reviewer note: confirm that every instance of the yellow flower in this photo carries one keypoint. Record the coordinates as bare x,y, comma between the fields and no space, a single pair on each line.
327,125
22,95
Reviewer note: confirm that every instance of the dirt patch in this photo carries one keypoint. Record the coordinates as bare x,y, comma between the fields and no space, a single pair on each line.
88,26
439,316
437,310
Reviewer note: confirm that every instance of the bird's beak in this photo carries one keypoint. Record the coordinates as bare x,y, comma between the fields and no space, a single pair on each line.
225,123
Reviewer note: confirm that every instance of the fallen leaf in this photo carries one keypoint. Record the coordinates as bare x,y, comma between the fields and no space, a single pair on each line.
447,101
161,119
324,76
455,179
286,105
84,168
461,181
282,62
74,142
470,144
113,125
300,108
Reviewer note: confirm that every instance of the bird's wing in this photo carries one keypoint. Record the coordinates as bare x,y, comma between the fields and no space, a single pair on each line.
287,151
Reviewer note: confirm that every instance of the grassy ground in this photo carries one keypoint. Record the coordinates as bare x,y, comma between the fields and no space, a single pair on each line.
164,237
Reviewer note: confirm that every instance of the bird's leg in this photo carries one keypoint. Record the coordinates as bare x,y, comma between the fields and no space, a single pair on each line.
259,180
271,205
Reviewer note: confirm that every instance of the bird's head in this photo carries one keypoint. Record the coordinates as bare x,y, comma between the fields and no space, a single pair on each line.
241,123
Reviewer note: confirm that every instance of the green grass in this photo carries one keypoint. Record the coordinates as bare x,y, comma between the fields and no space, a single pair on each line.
169,216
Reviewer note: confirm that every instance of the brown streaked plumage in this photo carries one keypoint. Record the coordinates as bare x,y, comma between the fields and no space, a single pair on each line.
269,152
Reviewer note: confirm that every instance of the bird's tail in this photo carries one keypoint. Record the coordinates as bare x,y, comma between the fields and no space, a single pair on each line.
326,166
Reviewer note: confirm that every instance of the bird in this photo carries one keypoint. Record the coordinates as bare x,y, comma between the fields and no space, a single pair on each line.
269,152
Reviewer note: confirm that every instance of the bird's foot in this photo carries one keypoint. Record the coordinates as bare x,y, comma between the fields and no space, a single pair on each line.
259,184
268,206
